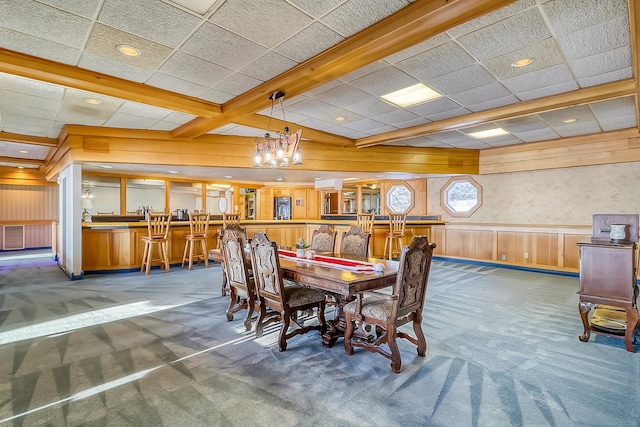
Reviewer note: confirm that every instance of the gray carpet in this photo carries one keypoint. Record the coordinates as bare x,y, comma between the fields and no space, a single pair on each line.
131,350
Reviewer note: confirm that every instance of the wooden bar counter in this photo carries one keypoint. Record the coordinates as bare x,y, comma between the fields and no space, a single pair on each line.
113,246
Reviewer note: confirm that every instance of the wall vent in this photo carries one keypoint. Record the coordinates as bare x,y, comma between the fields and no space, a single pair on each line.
12,237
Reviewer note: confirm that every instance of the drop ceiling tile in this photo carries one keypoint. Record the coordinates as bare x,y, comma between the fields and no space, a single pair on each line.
356,15
143,110
617,123
372,107
176,85
436,108
170,26
568,16
490,18
600,38
465,80
217,96
536,135
266,22
28,111
114,68
27,122
453,137
12,149
316,8
513,33
350,133
27,100
578,128
364,125
384,81
129,121
104,40
523,124
547,91
349,117
312,93
420,141
21,85
367,69
436,62
39,20
244,131
505,142
556,118
318,124
471,145
613,76
163,125
419,48
380,130
545,53
55,129
309,42
550,76
36,46
289,116
237,84
397,116
411,123
86,8
343,96
602,63
614,108
187,67
75,110
223,129
493,103
268,66
311,108
222,47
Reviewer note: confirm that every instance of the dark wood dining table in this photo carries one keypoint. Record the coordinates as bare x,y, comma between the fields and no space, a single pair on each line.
342,284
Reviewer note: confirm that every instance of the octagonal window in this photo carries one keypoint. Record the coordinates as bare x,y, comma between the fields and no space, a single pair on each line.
400,198
462,196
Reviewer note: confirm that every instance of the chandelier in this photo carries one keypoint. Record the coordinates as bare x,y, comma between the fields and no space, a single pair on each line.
278,150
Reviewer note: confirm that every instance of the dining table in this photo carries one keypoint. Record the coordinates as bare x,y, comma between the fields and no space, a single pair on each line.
342,277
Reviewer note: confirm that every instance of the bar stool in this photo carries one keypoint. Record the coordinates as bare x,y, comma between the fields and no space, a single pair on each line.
198,226
158,234
395,234
227,219
365,222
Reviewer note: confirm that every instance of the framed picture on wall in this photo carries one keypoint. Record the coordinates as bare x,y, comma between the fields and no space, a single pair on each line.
299,202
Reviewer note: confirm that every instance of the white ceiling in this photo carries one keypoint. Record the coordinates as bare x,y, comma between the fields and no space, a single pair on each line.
238,44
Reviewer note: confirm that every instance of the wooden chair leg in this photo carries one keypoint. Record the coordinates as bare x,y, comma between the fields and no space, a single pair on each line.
396,361
165,247
149,256
205,257
191,255
186,248
348,333
144,256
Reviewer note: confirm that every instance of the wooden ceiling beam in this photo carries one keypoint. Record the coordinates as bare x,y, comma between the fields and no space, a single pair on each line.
562,100
21,161
413,24
31,67
28,139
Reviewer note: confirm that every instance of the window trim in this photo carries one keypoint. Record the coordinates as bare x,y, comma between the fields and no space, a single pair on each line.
443,196
388,192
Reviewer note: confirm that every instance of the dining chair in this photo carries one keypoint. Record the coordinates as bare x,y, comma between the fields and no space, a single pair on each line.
227,219
197,236
241,233
242,291
355,242
393,238
365,222
386,313
283,300
323,240
157,235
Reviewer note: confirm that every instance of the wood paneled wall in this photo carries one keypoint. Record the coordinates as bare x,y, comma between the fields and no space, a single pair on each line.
549,247
34,206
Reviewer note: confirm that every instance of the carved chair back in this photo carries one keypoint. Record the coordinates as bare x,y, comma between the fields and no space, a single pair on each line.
234,260
323,239
355,242
266,271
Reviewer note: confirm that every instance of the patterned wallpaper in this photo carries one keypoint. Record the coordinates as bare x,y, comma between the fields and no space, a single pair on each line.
556,197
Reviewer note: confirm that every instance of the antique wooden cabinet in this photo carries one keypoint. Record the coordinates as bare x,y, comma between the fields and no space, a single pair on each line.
608,279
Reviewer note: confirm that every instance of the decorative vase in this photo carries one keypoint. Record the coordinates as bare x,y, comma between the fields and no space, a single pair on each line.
300,253
618,232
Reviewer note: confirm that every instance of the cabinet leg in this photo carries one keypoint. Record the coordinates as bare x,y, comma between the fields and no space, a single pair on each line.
585,308
632,321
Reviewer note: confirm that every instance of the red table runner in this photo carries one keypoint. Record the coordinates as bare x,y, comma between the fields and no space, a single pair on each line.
347,264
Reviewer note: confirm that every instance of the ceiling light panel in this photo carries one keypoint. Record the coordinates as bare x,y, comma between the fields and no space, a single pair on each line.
412,95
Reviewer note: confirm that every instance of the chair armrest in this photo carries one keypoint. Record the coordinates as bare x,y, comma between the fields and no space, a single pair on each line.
380,295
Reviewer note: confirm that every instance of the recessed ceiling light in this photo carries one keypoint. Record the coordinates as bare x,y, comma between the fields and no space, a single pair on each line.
341,118
92,101
488,133
173,172
128,50
20,167
522,62
228,176
570,120
24,152
107,166
412,95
